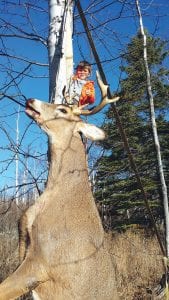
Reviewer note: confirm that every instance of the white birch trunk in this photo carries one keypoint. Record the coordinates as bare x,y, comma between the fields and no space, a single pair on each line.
24,181
17,158
60,47
154,129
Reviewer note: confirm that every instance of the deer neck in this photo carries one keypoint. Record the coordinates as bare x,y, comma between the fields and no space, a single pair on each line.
65,159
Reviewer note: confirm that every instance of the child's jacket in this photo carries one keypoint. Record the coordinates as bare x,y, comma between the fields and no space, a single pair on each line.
84,98
81,91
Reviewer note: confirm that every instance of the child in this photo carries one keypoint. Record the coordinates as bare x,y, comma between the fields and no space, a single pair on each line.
80,90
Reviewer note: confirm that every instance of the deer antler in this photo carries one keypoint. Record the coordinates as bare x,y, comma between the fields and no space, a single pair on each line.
104,100
69,100
66,96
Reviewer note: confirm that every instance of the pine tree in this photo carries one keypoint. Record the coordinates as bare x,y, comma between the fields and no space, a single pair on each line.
116,184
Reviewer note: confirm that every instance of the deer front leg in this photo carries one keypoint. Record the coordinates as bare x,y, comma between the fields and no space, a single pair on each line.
26,278
24,238
25,229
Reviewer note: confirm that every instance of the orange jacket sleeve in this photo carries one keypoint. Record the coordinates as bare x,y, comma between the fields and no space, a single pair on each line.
88,93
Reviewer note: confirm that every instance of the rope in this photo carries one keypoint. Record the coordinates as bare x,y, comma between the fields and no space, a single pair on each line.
120,126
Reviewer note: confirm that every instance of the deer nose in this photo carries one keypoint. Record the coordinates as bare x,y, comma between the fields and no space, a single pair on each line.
29,101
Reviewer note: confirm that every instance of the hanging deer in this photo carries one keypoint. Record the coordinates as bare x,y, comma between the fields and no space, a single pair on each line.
66,257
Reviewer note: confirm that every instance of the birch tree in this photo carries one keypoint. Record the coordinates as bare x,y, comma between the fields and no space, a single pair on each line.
17,156
60,47
154,128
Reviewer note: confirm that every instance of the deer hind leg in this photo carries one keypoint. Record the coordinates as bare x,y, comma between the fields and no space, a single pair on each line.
26,278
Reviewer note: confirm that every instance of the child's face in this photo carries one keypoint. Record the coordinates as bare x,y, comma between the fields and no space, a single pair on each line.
82,73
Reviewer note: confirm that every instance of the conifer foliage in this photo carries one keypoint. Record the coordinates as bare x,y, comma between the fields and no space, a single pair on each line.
116,187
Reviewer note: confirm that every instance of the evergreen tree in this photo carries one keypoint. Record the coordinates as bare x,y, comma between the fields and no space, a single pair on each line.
116,184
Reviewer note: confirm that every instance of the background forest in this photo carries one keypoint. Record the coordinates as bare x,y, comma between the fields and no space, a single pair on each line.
116,185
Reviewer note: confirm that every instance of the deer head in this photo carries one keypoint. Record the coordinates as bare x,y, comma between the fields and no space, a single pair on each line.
47,115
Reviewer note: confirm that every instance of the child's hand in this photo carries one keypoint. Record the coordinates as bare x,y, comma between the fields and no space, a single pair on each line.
88,92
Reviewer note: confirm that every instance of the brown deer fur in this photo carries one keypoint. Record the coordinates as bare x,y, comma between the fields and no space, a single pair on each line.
66,257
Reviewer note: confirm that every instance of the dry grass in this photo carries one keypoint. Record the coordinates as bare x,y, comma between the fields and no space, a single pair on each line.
138,262
9,258
136,256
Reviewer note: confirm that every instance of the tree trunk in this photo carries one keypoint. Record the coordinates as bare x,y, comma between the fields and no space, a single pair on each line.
17,158
60,47
154,129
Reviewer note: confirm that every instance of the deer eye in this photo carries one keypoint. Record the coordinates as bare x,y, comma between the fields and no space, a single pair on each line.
64,111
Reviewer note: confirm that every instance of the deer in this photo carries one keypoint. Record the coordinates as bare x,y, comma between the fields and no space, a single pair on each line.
63,250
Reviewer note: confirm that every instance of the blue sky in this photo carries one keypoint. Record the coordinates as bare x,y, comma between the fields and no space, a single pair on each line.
110,39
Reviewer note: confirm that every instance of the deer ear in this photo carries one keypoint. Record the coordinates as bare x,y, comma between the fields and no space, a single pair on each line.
91,131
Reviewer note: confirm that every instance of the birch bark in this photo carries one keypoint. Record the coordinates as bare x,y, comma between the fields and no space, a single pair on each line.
60,47
17,158
154,129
